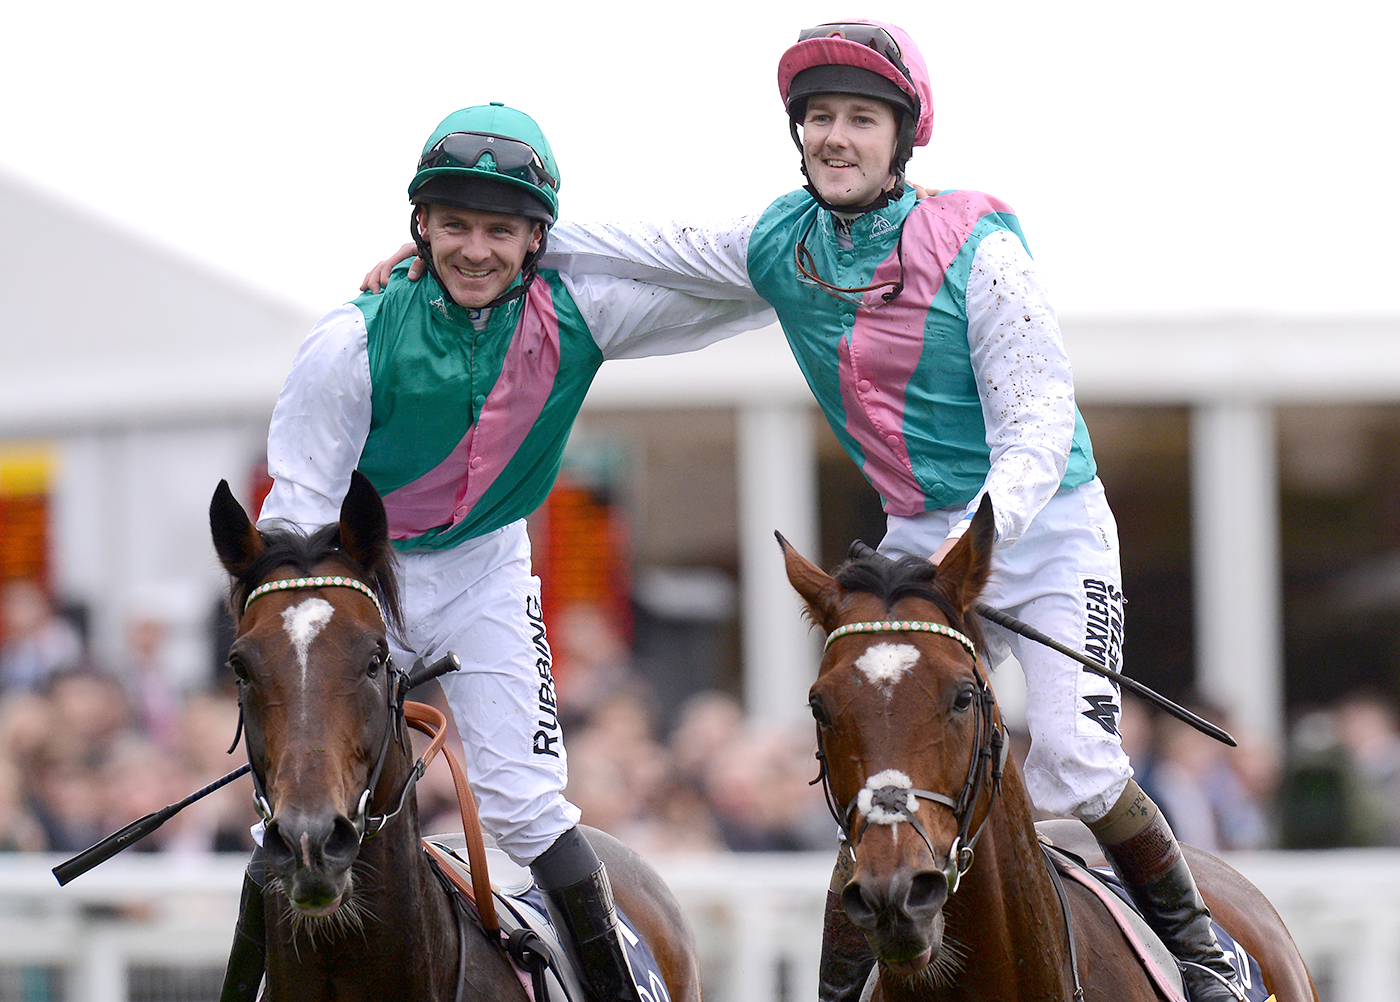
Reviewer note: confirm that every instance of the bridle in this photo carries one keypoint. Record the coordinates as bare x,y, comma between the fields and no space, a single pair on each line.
396,692
896,802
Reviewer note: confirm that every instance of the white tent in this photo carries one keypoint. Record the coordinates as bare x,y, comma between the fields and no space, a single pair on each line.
147,379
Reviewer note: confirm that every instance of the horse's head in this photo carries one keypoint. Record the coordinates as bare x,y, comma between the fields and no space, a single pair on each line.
316,687
908,732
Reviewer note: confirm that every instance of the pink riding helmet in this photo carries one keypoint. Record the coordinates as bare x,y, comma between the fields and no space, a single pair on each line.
836,44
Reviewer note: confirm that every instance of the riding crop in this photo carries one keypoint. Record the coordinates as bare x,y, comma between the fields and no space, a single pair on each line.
1010,622
134,832
140,828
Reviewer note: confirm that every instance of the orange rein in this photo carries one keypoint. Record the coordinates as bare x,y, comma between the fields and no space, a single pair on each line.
429,720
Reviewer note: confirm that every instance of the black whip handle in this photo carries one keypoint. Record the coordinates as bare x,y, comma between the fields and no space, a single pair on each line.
421,672
1181,713
135,832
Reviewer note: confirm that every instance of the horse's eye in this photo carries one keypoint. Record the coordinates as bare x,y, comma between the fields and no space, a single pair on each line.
376,663
239,667
962,700
819,712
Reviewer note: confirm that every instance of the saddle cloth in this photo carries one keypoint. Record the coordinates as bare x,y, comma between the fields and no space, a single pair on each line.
1247,970
1072,841
520,905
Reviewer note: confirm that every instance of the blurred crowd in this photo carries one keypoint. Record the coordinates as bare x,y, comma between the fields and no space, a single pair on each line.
718,782
714,780
87,748
1334,784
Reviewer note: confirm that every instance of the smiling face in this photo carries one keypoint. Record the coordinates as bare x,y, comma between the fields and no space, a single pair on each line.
848,145
477,254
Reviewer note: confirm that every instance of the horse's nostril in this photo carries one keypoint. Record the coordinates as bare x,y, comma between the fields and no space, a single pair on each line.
859,908
299,842
927,890
279,854
343,843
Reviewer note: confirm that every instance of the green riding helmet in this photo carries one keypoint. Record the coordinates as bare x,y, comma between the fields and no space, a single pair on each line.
490,158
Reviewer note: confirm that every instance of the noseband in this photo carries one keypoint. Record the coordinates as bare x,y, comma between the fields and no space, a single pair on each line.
396,691
897,800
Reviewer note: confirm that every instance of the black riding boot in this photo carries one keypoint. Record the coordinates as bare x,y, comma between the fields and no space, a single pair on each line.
1147,857
247,961
846,954
580,900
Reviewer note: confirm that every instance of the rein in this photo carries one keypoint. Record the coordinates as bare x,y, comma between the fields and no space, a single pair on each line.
422,717
897,802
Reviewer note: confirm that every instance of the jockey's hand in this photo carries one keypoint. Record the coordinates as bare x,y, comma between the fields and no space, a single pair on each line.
921,192
942,551
378,276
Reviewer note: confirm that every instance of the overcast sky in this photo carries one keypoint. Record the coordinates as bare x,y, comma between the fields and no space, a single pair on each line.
1188,157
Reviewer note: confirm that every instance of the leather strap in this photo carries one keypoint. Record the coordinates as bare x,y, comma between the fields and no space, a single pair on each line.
429,720
1169,991
1069,919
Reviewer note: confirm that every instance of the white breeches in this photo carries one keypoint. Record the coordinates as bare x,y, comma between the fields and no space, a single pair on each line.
1063,578
480,601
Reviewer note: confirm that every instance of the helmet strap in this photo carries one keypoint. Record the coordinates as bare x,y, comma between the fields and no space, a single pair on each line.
424,251
528,270
879,202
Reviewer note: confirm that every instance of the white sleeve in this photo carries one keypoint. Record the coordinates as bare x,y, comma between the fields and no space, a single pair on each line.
1024,381
632,319
320,423
711,261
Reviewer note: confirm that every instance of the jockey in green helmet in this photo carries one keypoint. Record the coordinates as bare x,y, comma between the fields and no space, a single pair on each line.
455,397
494,160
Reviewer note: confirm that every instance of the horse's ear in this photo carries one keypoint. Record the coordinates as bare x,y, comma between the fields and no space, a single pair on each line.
236,540
817,588
364,528
963,572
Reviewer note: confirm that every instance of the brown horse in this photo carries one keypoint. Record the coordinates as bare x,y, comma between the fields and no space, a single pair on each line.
354,907
912,748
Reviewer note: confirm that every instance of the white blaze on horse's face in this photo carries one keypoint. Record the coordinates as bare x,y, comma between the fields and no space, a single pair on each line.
875,813
302,623
885,664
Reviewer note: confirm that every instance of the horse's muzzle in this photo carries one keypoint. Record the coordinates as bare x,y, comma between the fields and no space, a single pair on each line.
901,914
312,855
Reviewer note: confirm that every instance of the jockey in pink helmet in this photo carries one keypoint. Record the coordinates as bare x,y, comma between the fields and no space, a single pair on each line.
878,61
871,59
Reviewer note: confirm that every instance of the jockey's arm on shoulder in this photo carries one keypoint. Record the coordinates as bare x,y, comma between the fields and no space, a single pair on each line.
378,276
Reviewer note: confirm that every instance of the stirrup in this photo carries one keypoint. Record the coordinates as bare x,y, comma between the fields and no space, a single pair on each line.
1230,983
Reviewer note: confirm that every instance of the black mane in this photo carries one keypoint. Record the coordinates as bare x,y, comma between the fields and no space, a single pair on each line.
286,546
907,577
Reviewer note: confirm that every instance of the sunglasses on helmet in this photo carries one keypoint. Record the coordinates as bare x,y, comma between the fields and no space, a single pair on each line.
511,156
870,35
